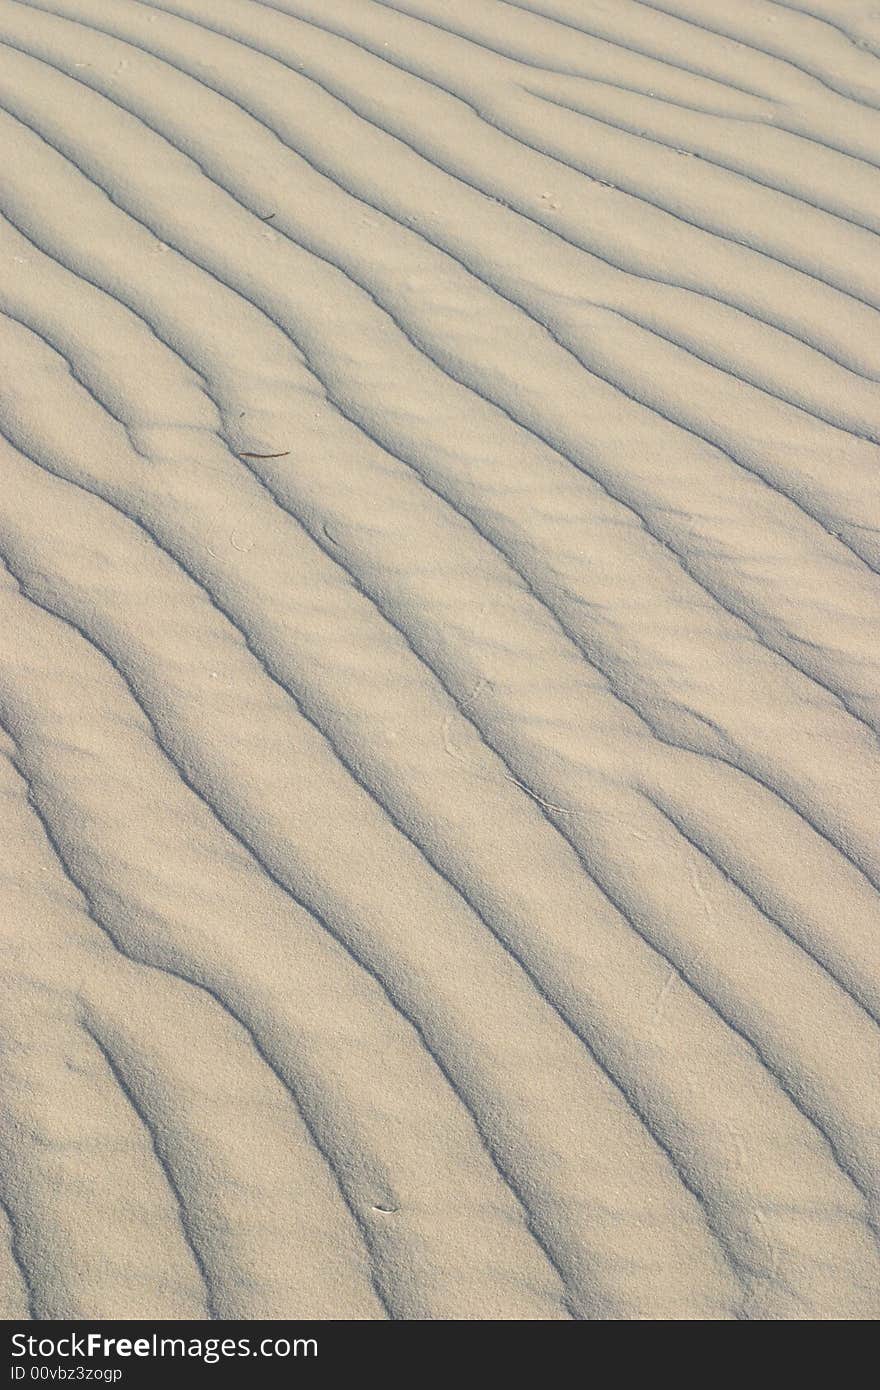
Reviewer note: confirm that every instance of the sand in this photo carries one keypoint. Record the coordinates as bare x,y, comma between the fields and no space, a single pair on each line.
440,659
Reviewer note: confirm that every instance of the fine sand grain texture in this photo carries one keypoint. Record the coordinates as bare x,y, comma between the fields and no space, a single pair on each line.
440,659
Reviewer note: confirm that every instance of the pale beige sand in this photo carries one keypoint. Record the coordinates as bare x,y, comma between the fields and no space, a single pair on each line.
440,863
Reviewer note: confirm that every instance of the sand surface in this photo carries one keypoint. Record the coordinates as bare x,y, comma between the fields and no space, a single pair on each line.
440,659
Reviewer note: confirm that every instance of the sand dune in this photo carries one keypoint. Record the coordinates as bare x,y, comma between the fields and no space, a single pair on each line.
440,681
